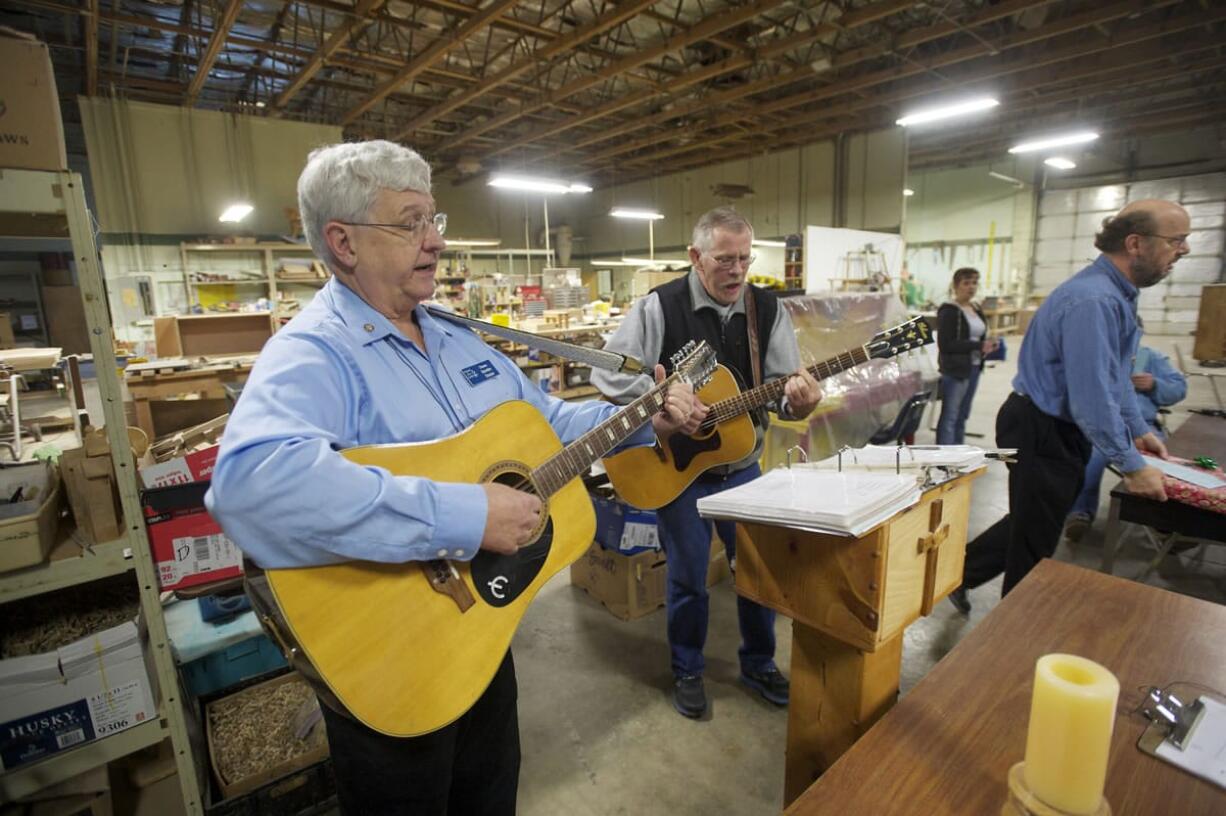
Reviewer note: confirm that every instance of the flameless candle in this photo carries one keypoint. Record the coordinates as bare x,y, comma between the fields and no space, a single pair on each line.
1072,714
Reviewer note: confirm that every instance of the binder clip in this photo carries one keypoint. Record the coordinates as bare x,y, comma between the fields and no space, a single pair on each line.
1178,718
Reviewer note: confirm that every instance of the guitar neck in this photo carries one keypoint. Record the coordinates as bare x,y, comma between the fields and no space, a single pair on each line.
769,392
579,455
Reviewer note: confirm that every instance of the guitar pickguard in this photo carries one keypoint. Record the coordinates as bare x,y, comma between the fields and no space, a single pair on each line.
500,579
685,448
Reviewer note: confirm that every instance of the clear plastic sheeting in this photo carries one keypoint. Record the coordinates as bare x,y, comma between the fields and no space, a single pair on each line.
856,403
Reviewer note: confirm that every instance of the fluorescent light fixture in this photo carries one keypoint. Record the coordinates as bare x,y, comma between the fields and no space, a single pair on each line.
1009,179
473,242
260,104
926,115
235,213
1060,163
641,215
764,242
1081,137
534,184
907,192
617,262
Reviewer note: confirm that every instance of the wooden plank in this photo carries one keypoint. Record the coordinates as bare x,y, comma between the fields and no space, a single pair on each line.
946,748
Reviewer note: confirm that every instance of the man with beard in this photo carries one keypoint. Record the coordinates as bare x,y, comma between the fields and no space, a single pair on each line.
1073,390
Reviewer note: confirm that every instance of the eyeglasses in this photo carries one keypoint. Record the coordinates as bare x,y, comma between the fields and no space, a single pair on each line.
1173,241
414,229
726,264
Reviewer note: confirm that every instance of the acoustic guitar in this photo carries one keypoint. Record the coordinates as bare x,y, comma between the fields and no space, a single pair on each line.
651,477
408,648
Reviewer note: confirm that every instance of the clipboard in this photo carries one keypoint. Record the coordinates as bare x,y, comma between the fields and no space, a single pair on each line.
1187,729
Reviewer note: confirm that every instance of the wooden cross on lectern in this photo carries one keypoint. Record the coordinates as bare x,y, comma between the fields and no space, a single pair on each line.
929,547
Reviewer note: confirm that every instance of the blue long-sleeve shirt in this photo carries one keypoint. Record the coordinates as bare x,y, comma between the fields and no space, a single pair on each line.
1170,386
341,374
1076,360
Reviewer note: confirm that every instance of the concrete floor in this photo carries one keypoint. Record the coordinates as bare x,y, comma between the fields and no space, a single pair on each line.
599,733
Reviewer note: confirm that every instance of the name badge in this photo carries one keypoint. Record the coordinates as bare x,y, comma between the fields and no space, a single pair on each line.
479,373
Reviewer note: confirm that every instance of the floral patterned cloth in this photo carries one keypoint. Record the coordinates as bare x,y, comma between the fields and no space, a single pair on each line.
1212,499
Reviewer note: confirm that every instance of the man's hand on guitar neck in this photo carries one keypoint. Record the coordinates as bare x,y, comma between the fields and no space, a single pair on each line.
682,412
802,393
510,518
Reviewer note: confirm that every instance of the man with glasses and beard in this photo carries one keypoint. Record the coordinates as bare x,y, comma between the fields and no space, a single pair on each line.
1073,391
714,302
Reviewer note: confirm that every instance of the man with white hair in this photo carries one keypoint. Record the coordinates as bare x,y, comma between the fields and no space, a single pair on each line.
714,302
365,364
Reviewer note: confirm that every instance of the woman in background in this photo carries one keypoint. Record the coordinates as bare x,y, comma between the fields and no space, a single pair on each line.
962,343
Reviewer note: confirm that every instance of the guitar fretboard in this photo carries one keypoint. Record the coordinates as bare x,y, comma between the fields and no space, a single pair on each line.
579,455
769,392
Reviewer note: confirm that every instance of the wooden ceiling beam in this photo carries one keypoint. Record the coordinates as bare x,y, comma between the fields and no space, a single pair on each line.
363,15
1120,60
536,59
796,75
435,52
994,67
710,25
221,28
770,50
91,48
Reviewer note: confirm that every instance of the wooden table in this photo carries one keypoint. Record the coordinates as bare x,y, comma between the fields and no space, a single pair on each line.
850,600
1199,435
946,747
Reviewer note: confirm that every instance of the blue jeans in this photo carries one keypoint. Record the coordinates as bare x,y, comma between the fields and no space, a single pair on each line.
686,539
1087,500
956,397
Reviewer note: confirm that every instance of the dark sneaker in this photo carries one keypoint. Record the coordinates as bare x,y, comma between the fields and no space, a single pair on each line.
771,684
960,601
1076,525
689,696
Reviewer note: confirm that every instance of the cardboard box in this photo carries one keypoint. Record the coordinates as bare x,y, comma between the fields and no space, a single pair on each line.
27,532
631,586
196,466
31,130
237,787
86,793
93,494
84,691
624,529
188,545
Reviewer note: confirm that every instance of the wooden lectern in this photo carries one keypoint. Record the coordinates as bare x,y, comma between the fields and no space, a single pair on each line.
850,600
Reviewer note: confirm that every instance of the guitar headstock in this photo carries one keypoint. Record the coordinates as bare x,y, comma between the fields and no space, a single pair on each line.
906,336
694,363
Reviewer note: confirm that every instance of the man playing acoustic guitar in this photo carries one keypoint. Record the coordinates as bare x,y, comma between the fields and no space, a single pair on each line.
752,335
365,363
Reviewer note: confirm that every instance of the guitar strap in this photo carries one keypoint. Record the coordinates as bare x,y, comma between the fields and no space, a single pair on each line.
596,358
751,327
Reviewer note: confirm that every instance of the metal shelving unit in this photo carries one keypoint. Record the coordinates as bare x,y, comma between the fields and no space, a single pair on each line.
59,198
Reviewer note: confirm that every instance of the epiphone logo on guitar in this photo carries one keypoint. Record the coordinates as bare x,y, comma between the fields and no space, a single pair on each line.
497,584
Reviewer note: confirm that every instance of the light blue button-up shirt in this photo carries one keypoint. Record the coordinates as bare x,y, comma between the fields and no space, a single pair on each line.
340,374
1076,360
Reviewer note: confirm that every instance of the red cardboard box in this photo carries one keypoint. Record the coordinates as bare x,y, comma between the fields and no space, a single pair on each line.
196,466
188,545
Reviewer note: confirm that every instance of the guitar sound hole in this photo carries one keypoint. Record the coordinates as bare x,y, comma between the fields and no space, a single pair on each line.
500,579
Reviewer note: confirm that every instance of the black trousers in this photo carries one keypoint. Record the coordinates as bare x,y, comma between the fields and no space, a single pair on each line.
1043,484
470,767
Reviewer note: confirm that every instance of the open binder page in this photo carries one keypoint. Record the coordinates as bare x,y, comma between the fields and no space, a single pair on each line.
841,503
